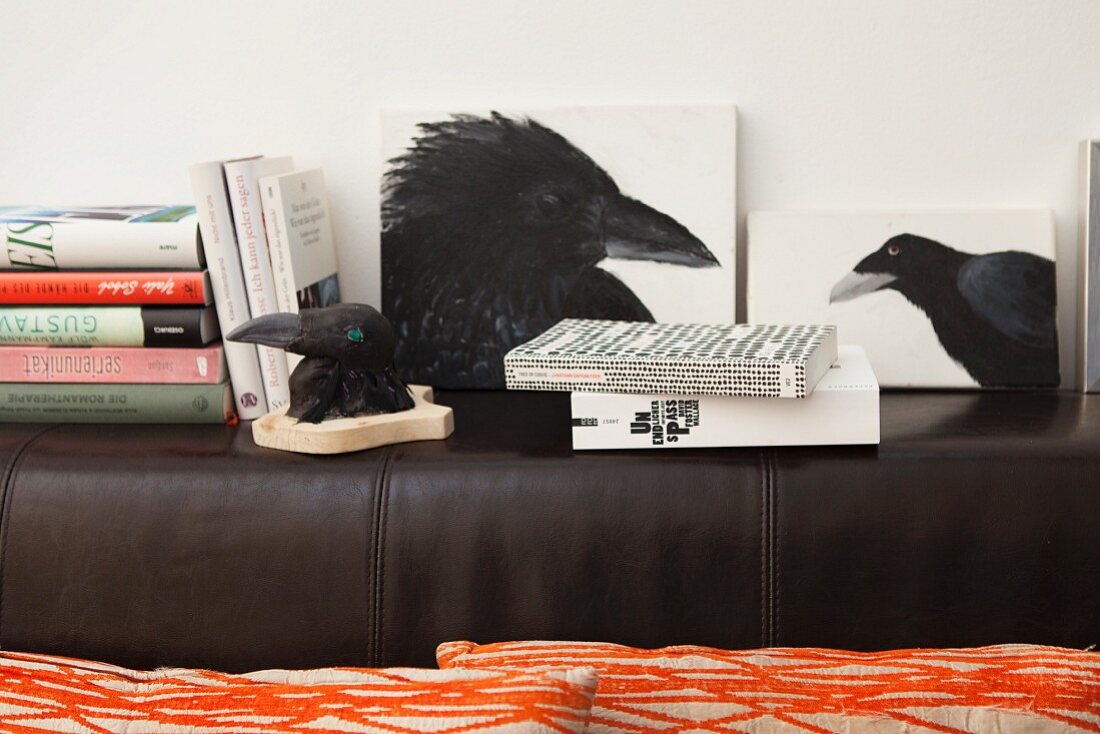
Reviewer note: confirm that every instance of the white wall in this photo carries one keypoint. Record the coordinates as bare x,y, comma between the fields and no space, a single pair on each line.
853,104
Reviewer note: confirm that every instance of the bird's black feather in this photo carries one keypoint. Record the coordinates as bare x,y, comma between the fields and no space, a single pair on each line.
313,388
1014,292
598,291
368,392
492,231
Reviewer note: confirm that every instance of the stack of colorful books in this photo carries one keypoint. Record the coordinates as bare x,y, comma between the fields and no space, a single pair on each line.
639,385
106,315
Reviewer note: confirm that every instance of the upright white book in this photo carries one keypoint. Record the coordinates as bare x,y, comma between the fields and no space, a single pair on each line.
299,232
242,178
224,263
842,410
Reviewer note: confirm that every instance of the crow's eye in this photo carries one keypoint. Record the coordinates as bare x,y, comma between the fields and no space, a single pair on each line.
355,335
893,249
551,206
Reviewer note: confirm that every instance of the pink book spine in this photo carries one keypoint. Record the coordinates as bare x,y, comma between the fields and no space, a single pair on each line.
135,365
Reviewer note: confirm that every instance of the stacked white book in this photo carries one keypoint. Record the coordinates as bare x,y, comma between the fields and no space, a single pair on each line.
842,409
702,385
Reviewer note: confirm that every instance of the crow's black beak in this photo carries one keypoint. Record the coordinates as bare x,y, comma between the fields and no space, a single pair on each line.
273,330
634,231
856,284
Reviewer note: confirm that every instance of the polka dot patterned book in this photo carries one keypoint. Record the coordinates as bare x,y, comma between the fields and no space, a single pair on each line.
583,355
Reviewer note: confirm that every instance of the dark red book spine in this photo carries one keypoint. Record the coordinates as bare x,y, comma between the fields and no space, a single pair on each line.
148,288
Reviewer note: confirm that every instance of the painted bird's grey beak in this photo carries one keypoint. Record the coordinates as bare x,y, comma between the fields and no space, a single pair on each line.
856,284
273,330
634,231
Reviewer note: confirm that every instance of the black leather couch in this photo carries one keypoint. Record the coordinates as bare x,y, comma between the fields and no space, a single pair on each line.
976,521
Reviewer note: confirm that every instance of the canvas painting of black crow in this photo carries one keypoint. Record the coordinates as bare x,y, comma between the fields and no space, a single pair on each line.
935,299
495,226
994,314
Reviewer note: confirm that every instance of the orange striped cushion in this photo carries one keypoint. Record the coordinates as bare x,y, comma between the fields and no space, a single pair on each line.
1006,688
39,692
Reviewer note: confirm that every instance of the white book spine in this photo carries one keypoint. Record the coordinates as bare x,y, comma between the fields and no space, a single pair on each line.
286,294
241,178
278,241
230,300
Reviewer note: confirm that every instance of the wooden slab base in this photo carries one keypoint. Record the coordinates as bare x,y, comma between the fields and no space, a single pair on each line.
427,421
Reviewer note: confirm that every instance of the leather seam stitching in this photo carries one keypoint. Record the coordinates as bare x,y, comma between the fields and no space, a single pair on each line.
771,550
769,545
7,487
381,591
372,555
776,568
376,551
763,550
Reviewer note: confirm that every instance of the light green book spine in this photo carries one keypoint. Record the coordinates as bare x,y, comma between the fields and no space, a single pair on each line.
103,403
118,326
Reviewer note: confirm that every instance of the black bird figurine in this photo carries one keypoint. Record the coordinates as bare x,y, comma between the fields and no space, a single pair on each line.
348,366
492,228
994,314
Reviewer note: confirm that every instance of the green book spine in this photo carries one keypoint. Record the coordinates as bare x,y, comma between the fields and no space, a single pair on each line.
103,403
108,326
73,326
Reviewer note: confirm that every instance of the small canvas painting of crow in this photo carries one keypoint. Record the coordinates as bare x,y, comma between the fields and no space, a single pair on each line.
497,226
937,298
994,314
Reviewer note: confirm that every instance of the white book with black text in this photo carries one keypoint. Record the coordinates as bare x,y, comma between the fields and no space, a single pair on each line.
842,410
299,231
242,177
219,243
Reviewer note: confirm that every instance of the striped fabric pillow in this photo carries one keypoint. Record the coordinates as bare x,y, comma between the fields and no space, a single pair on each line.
1005,688
44,693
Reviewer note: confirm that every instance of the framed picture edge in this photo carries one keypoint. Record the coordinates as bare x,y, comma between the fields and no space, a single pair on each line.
1088,265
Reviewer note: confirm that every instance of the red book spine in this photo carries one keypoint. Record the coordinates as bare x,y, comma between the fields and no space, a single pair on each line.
135,365
105,288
